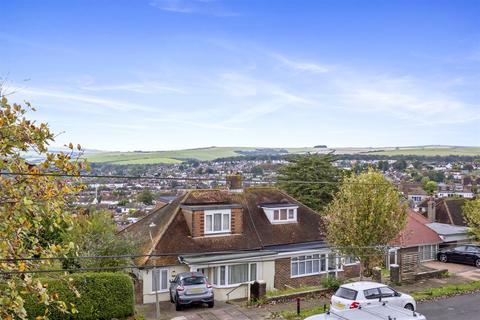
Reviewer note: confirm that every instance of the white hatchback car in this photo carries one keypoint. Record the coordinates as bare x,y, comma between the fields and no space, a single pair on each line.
365,293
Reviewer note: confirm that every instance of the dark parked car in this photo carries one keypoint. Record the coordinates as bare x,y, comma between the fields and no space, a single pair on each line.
190,288
468,254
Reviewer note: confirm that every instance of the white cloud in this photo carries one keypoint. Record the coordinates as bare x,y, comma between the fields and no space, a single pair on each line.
139,87
68,96
301,65
207,7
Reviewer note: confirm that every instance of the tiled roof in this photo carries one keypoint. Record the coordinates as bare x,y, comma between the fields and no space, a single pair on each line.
173,235
416,232
450,211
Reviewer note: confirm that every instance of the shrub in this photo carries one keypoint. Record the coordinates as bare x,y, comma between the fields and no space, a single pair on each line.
102,295
331,282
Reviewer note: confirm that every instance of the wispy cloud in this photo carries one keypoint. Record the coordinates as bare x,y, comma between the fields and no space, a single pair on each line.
137,87
207,7
69,96
301,65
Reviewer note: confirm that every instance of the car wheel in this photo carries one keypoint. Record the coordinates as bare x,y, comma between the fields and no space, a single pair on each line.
443,257
409,306
211,304
178,306
477,263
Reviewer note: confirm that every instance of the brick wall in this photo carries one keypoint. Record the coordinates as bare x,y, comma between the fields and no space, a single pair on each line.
351,271
283,272
237,220
198,227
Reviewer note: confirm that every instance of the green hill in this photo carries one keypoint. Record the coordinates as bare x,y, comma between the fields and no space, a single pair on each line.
212,153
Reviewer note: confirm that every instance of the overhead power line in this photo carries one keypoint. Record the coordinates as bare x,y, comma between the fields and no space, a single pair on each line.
195,179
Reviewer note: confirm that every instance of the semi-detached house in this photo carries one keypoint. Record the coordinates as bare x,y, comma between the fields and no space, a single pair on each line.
235,236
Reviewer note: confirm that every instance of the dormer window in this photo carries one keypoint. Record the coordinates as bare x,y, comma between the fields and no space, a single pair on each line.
217,221
284,214
280,212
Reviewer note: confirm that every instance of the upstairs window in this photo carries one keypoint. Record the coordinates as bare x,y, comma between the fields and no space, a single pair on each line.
279,214
284,214
217,221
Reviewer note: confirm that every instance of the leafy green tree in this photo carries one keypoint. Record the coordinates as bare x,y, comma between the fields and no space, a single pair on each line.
430,187
94,234
257,171
365,215
311,179
471,214
417,164
123,202
383,165
34,207
146,196
400,165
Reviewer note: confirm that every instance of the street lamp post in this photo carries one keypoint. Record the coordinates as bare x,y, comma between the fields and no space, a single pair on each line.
155,274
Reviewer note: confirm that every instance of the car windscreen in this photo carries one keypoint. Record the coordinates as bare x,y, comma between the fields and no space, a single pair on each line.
346,293
192,281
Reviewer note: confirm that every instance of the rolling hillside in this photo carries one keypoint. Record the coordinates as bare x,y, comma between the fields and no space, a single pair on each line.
212,153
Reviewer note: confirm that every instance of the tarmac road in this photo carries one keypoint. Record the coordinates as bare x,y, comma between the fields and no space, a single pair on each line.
465,307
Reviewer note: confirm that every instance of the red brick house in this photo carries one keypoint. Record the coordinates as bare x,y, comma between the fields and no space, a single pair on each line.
415,237
234,237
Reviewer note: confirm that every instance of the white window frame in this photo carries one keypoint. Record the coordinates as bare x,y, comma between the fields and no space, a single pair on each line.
433,250
160,271
345,263
328,256
216,272
270,212
212,213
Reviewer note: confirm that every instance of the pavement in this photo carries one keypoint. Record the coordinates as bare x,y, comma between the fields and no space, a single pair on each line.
464,307
458,308
461,270
222,310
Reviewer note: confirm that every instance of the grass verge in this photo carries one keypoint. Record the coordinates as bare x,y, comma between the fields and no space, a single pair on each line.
292,315
446,291
276,292
422,295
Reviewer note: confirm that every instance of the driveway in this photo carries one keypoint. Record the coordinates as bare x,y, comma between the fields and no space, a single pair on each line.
221,310
465,307
462,270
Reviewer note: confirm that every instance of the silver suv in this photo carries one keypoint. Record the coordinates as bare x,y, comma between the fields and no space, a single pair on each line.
189,288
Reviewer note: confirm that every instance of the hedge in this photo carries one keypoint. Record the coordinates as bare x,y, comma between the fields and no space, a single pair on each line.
103,295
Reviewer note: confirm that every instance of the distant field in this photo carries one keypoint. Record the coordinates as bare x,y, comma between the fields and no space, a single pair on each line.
434,151
212,153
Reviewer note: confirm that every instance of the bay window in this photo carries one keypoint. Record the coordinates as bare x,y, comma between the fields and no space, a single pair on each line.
234,274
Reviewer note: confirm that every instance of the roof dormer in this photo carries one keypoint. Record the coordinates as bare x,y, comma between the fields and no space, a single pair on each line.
279,213
213,219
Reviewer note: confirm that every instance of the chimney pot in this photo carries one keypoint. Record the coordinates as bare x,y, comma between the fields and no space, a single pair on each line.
234,182
431,210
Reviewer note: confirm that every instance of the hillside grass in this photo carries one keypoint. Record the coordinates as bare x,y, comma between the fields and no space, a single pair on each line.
212,153
434,151
177,156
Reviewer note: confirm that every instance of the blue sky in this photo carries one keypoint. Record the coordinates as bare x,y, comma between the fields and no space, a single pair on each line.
172,74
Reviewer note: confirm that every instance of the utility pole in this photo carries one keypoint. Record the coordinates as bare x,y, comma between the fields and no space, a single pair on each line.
155,274
157,281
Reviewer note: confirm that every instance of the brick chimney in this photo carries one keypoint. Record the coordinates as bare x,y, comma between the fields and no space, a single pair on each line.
431,210
234,182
